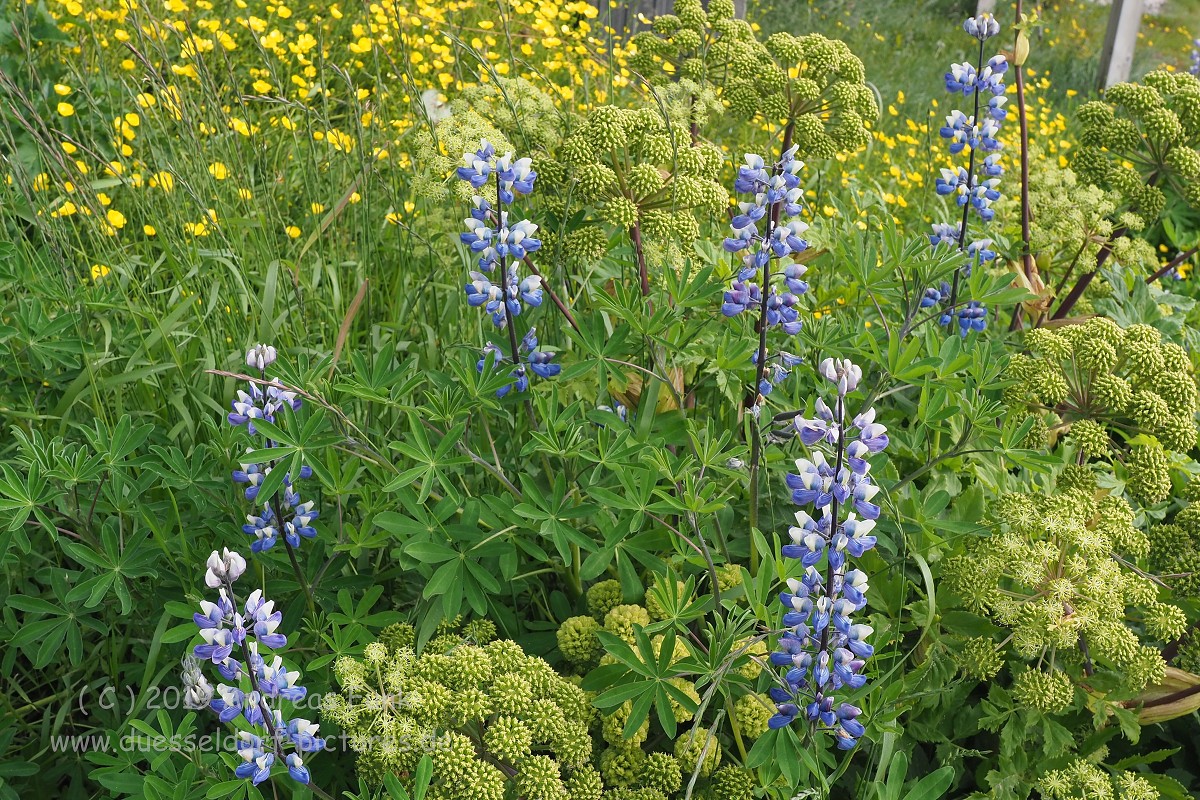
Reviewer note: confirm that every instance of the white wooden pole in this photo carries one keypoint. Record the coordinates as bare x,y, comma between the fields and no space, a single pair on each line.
1120,40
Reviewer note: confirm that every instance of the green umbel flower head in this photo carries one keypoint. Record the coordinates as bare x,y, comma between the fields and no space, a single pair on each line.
1125,395
1154,125
1056,570
459,698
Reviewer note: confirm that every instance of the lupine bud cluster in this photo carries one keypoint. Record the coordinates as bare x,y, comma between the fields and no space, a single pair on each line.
1195,67
257,686
502,246
290,515
974,186
767,230
823,647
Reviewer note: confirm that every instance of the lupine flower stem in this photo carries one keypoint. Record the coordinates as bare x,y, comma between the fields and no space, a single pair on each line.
516,351
1023,121
756,447
264,709
839,416
1172,264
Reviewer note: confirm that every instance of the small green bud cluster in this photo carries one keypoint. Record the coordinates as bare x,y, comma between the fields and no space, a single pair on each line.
691,43
1188,658
1105,385
495,722
1175,551
1055,570
1154,125
815,83
509,110
637,167
1071,220
1083,780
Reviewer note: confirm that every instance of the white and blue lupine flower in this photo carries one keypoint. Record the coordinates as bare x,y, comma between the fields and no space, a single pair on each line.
258,404
975,186
538,361
304,734
254,693
300,524
211,615
257,766
274,680
514,177
740,297
762,233
822,646
477,166
261,528
228,702
296,768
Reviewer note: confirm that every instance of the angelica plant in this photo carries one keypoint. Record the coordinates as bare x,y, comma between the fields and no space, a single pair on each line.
493,720
644,177
1142,141
1119,394
1058,571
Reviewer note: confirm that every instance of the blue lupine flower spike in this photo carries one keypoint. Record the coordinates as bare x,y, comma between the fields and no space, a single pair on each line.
764,231
501,243
256,685
287,514
823,648
974,186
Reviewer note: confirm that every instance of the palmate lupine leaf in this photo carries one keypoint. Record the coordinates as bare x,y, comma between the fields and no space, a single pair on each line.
641,678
